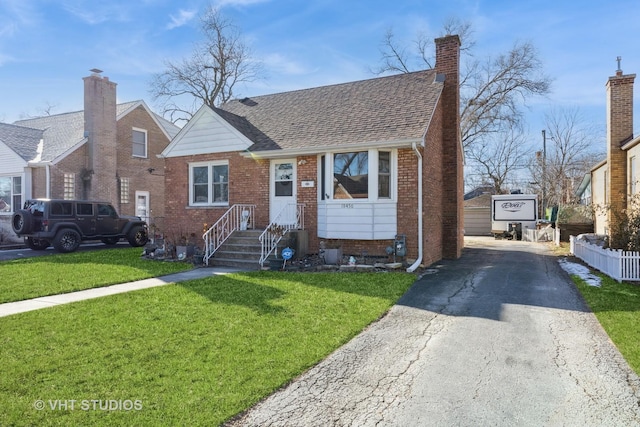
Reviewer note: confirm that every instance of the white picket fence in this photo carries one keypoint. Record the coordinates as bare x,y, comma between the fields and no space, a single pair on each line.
546,234
618,264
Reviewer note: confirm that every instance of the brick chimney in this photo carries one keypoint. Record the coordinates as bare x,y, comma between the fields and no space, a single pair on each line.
100,128
448,67
619,131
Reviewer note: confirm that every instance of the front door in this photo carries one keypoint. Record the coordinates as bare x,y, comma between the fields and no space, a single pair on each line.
142,205
282,193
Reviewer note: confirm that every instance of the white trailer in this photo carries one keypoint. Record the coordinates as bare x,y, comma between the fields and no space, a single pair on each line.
513,213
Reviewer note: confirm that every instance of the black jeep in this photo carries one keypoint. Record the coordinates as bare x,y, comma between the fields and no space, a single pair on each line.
65,223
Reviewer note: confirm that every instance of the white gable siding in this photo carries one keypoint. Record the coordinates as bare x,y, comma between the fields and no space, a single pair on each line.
10,162
600,199
206,133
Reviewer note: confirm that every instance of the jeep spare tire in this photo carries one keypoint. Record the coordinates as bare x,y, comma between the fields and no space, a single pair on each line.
22,222
67,240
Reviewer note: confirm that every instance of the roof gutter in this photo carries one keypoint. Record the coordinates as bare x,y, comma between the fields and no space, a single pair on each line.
416,264
308,151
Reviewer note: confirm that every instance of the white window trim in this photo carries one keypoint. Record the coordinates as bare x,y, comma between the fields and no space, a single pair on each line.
12,195
146,143
210,201
373,177
632,176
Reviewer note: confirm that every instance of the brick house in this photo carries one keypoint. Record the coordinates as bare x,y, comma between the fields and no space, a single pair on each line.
614,181
360,162
108,151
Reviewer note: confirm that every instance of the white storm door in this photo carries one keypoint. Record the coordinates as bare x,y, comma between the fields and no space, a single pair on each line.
282,191
142,205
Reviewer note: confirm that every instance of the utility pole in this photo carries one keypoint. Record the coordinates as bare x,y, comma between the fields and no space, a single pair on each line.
544,171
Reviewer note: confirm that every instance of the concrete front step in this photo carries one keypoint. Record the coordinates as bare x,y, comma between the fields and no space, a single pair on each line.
241,250
249,265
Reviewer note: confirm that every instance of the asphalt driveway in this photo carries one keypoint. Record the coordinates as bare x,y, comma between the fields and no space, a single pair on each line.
500,337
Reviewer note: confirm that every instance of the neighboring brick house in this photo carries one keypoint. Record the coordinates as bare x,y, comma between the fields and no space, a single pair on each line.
108,152
614,182
369,160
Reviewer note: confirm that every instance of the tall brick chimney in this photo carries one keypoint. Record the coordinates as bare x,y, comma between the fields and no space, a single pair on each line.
619,131
100,128
448,66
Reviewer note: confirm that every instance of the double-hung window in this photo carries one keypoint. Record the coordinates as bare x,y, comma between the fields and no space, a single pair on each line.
209,184
10,194
139,141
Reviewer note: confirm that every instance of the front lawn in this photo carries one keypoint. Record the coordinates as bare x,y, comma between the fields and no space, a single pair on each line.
617,307
61,273
194,353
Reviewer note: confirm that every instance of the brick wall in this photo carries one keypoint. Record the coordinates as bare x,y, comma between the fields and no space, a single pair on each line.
448,63
134,168
75,163
433,191
100,128
248,184
137,169
307,171
619,131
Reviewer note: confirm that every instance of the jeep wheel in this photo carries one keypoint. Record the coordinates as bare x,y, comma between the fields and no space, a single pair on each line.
22,222
66,240
36,244
110,240
137,236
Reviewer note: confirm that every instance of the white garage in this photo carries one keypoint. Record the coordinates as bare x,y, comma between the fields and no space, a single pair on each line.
477,216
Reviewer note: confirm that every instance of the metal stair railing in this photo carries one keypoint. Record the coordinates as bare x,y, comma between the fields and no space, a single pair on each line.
237,217
275,231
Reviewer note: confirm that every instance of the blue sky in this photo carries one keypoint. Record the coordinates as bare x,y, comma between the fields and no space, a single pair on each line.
47,46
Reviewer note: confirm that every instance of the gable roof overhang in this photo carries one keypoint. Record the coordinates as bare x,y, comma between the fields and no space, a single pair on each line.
586,181
193,138
163,125
629,145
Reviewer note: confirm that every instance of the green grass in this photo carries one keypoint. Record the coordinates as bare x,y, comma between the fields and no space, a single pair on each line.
61,273
194,353
617,307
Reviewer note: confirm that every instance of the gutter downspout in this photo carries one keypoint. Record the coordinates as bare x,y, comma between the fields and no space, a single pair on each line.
47,168
416,264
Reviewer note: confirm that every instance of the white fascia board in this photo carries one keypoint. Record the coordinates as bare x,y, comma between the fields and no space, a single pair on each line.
287,153
205,110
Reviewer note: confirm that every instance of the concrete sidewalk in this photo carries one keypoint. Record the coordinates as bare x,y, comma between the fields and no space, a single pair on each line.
10,308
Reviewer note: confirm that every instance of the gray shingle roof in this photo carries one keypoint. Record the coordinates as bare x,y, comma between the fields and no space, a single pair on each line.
391,108
23,140
63,131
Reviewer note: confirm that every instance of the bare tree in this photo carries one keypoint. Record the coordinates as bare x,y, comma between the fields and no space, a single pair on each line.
493,92
397,57
567,155
210,75
45,110
496,157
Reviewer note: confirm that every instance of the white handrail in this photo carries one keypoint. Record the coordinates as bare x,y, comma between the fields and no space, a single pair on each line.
238,217
274,232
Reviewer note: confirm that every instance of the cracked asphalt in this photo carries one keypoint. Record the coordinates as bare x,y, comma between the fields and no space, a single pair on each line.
499,337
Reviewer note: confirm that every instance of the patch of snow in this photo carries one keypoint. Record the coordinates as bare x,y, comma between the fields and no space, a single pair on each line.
580,270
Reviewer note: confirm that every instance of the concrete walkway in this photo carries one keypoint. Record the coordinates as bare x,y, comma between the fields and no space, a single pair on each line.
10,308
